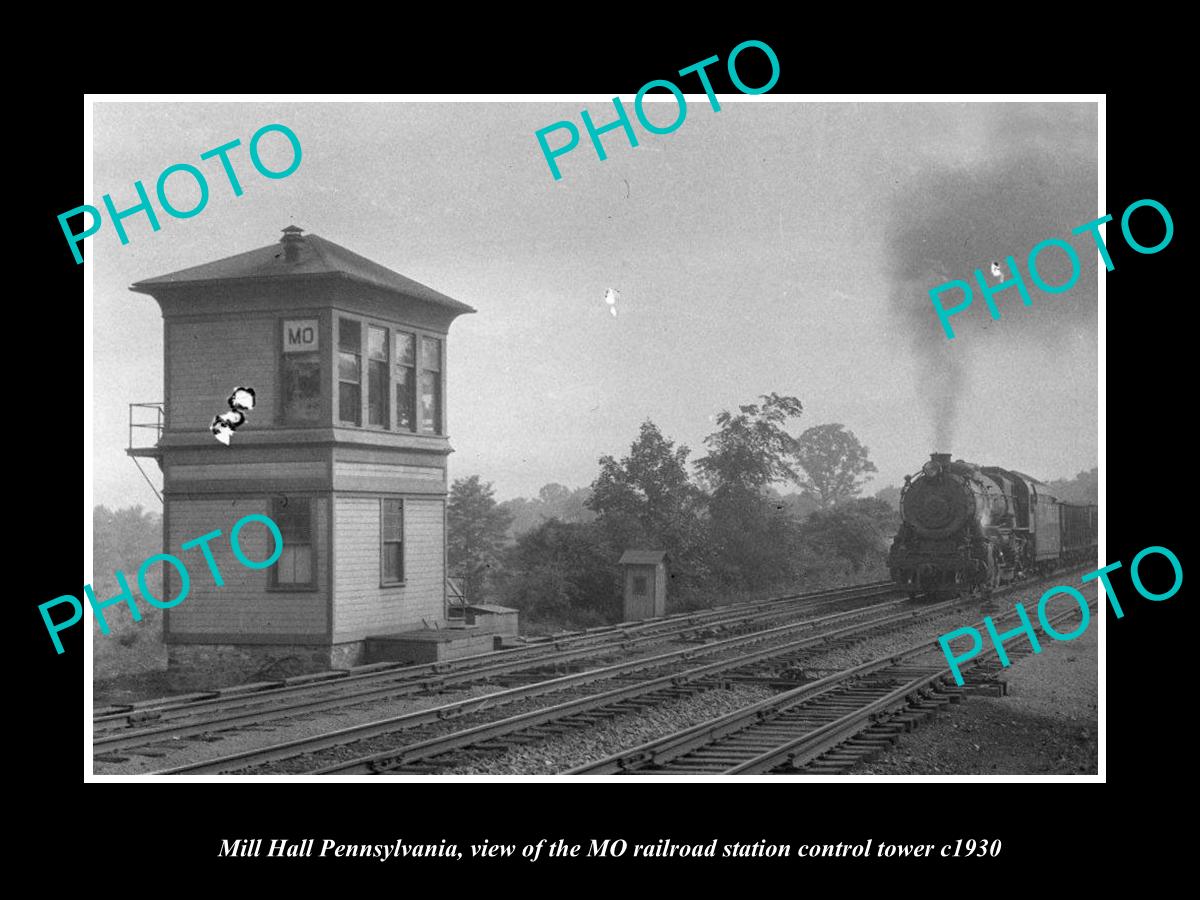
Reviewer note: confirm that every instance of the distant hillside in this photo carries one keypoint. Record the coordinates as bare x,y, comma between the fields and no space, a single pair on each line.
554,501
889,495
1083,488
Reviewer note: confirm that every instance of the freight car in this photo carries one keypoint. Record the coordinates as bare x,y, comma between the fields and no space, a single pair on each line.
973,528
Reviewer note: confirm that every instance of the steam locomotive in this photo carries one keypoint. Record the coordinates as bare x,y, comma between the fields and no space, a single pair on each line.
973,528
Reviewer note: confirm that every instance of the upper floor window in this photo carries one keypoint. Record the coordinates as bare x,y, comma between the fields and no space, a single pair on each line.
377,376
406,381
431,385
390,376
350,371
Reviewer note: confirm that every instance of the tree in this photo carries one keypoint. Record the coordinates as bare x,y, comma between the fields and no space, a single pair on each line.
562,573
752,450
889,495
122,540
1083,488
560,502
856,532
752,535
646,501
554,501
833,462
476,528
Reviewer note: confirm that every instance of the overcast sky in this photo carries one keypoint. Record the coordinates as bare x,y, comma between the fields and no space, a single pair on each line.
754,249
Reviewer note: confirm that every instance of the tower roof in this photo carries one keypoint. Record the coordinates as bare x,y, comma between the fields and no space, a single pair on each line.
298,255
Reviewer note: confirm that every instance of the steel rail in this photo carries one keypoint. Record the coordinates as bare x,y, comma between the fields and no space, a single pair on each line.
819,741
376,762
625,634
813,743
351,734
263,708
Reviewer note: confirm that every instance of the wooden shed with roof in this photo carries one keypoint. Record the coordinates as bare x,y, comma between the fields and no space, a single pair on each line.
345,449
645,579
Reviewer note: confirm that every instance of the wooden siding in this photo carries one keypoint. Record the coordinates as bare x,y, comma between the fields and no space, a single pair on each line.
243,605
233,475
395,479
206,359
235,471
361,606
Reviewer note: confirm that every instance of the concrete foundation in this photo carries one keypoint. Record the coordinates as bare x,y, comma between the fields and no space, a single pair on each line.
431,645
204,667
212,666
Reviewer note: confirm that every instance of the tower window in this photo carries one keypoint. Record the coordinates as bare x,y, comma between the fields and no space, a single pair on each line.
350,371
406,381
296,566
392,541
300,376
431,385
377,376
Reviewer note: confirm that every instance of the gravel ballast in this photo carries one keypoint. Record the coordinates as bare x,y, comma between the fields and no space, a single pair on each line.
574,749
1046,724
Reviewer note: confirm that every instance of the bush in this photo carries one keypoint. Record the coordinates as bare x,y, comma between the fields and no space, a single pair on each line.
562,573
122,540
852,537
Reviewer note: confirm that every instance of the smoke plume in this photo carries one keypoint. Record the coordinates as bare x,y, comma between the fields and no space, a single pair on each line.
1036,180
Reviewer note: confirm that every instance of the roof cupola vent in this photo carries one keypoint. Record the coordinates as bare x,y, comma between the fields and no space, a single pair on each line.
292,240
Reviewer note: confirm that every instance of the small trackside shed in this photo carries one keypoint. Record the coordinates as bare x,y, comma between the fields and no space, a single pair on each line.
645,580
345,449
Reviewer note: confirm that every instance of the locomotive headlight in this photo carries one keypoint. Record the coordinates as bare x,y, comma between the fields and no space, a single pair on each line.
931,468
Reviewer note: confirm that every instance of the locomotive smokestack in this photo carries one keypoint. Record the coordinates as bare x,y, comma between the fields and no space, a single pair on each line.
941,458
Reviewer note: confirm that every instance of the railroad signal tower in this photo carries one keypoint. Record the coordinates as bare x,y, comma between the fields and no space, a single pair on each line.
345,449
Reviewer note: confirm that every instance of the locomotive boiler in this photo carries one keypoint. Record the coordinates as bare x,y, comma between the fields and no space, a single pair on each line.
972,528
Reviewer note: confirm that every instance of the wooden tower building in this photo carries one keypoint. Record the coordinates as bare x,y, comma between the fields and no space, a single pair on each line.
345,450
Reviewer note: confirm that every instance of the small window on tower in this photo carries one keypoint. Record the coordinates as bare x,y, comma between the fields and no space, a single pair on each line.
392,541
295,567
639,585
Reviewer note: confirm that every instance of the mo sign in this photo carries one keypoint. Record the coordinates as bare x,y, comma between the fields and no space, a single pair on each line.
1016,281
622,120
300,335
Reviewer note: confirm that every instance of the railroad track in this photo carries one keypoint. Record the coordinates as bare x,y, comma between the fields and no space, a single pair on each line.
206,715
373,748
823,727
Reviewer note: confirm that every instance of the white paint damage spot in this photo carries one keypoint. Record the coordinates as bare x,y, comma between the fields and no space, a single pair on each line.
611,296
241,401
